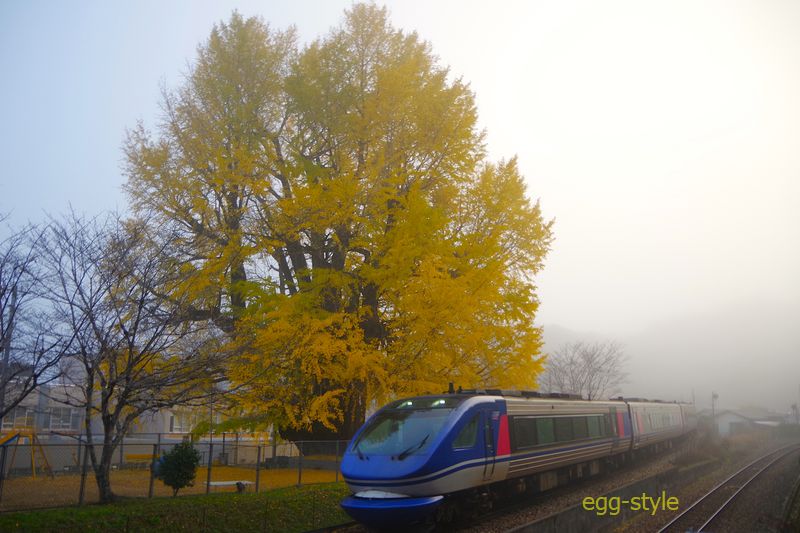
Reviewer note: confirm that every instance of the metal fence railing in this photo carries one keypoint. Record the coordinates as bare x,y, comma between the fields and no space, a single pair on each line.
35,473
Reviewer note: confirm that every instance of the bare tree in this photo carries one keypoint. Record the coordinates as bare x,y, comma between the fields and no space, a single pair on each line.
592,370
117,291
30,351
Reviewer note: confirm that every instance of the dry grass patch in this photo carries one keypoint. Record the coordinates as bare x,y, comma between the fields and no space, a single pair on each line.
63,490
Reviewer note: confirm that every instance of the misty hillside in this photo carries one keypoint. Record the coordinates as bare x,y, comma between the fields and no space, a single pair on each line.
749,354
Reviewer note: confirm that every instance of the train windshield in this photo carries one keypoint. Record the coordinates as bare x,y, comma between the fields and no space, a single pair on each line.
405,427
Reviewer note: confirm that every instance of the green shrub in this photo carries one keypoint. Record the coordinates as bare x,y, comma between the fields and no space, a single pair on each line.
178,467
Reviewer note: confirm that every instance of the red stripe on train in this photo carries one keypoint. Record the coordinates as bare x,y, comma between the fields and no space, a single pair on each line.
503,440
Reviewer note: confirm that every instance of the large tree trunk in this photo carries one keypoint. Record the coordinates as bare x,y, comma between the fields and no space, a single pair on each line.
355,411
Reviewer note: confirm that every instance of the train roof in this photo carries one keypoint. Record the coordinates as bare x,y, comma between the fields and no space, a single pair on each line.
513,393
518,393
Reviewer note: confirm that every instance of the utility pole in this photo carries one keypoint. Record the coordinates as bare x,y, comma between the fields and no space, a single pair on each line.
714,397
7,351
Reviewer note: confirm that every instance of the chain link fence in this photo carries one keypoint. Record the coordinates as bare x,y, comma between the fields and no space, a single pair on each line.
36,473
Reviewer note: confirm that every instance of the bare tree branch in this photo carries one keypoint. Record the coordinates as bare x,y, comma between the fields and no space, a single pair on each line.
30,351
133,353
593,370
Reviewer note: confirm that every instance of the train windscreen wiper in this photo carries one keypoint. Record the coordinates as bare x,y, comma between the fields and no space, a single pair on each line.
359,452
408,451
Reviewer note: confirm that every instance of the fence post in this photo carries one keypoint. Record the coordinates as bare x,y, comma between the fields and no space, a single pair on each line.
208,474
236,451
83,474
2,469
258,469
152,470
300,465
337,460
78,457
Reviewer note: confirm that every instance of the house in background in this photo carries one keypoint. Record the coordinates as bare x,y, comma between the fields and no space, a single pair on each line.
729,422
176,421
45,411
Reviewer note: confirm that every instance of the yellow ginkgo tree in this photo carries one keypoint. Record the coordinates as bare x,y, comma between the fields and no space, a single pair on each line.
340,220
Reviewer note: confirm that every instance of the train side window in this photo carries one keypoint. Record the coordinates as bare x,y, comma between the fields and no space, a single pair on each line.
544,431
563,429
579,427
525,432
468,435
595,424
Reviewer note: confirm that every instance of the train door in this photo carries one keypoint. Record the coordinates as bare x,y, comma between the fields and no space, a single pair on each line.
489,444
614,427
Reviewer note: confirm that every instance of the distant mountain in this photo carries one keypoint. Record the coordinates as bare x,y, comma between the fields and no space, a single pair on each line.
747,352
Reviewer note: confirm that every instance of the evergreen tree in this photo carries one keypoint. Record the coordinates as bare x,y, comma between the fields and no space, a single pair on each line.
178,467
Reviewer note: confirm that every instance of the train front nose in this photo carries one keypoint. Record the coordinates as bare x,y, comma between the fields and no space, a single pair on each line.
390,511
383,492
382,472
390,459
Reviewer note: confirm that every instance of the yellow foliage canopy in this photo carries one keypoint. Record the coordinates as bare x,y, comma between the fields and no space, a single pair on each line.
336,204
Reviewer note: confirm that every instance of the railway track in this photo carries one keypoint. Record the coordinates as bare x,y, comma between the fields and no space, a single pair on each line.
703,512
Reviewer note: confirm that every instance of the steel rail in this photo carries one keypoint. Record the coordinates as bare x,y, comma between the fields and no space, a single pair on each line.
786,451
741,488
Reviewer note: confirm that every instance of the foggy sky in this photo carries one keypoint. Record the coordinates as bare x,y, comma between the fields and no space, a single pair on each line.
663,138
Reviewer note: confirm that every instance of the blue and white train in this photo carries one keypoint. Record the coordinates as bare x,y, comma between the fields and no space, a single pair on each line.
428,455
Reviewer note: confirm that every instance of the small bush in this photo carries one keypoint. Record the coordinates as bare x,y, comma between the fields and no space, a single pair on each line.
177,468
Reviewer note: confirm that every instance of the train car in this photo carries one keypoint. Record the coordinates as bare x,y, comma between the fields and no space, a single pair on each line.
655,423
689,417
549,433
418,455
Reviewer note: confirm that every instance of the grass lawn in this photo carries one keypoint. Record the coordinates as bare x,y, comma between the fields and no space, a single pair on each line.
22,493
288,509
